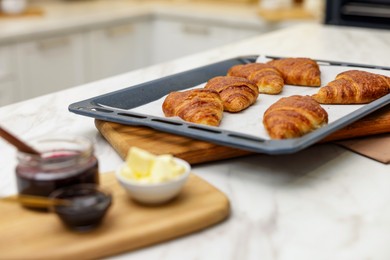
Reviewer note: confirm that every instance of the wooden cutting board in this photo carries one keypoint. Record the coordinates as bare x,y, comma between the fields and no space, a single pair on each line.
30,11
122,137
285,14
27,234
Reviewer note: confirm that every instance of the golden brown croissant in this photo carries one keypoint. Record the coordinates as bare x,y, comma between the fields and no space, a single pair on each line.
298,71
236,93
244,70
201,106
294,116
266,77
354,87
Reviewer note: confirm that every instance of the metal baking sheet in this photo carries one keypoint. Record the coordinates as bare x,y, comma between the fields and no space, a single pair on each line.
116,107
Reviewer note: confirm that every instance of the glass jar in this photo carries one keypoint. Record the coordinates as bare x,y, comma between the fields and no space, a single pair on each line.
63,161
89,204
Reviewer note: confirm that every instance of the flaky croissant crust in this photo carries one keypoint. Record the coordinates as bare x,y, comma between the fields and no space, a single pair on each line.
236,93
244,70
354,87
294,116
268,80
266,77
201,106
299,71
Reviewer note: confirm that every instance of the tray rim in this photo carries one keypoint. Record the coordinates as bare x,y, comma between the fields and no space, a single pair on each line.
92,108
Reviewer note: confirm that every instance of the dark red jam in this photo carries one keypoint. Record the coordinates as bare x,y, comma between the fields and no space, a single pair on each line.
54,170
87,208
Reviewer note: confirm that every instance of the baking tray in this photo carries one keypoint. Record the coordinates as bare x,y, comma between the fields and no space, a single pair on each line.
114,107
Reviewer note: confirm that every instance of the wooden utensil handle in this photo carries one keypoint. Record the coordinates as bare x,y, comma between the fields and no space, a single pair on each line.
16,142
36,201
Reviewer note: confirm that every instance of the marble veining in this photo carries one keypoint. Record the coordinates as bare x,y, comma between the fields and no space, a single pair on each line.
322,203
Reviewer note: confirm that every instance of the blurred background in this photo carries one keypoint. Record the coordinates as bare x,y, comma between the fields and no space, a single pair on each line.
50,45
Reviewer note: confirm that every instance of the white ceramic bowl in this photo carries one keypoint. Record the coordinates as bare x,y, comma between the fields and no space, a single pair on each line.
154,193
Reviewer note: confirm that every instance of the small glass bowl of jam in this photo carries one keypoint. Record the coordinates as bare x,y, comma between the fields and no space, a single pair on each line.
62,162
87,205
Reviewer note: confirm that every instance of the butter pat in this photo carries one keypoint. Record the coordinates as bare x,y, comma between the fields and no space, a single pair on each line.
139,162
146,167
165,169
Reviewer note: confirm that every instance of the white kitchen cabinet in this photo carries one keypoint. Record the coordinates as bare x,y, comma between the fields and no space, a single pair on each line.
8,94
9,91
176,38
117,49
46,64
50,64
240,33
5,62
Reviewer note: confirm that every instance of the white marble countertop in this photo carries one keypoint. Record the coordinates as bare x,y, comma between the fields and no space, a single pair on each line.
67,16
321,203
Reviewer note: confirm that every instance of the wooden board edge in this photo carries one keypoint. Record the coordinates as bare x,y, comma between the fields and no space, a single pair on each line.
218,217
104,126
374,124
214,217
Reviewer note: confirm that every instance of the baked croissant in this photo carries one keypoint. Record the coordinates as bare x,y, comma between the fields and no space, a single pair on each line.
268,79
354,87
236,93
201,106
294,116
298,71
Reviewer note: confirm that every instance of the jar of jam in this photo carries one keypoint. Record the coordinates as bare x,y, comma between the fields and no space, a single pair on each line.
63,161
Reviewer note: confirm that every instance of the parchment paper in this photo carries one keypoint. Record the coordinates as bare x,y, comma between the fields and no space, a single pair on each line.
250,121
